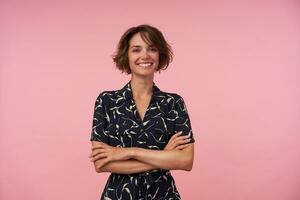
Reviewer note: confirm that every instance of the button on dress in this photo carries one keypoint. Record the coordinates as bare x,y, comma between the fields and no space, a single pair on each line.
117,122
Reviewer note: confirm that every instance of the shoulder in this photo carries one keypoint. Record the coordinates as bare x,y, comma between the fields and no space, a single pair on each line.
175,102
106,95
171,97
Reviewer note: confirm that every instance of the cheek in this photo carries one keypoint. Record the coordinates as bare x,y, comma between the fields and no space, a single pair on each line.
131,61
131,58
156,56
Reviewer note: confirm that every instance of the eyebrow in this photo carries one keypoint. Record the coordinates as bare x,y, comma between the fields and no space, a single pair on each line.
140,46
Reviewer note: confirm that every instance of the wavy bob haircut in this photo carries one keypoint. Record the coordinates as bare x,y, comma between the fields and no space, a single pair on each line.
152,36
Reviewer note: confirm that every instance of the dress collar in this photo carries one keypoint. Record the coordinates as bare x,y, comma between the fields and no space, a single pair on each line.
126,92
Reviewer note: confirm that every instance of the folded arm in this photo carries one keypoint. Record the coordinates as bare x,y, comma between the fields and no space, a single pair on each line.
123,166
176,155
171,160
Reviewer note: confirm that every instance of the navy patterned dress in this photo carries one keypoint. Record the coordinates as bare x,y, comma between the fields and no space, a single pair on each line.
117,123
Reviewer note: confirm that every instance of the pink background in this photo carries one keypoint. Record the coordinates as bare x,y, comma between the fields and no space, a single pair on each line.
236,65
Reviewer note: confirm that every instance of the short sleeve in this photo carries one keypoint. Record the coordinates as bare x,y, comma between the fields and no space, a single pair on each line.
182,120
99,121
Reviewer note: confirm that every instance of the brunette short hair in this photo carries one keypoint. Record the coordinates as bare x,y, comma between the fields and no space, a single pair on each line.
152,36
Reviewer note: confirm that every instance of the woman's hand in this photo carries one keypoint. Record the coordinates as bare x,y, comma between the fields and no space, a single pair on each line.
177,142
109,153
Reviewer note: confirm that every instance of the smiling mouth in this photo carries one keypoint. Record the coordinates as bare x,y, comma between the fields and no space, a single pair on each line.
148,64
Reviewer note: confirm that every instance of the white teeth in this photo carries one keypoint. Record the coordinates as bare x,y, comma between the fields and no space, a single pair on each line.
145,64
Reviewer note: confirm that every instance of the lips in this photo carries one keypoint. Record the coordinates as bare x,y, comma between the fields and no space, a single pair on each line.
145,64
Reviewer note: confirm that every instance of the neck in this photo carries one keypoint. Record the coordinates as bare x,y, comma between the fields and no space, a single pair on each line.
141,87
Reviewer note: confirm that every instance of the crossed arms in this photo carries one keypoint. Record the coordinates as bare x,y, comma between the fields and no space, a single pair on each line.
178,154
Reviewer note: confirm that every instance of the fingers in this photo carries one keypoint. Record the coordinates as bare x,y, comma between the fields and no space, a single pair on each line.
177,140
99,146
182,146
97,151
175,135
100,163
180,140
98,157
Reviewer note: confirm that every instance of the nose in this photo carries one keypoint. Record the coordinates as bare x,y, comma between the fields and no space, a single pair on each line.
145,54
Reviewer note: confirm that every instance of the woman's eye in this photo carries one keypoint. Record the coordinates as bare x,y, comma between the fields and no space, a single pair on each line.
153,49
150,49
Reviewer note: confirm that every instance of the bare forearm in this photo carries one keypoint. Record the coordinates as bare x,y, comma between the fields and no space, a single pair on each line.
133,159
125,167
170,160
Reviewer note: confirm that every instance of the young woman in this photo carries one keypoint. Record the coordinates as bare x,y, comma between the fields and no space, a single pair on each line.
139,132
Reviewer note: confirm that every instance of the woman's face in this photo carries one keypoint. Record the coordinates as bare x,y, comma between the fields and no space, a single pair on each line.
143,59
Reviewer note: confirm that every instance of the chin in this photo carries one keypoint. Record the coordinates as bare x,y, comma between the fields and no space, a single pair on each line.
144,72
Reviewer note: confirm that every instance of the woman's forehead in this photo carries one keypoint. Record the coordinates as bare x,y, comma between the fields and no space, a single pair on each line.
140,39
